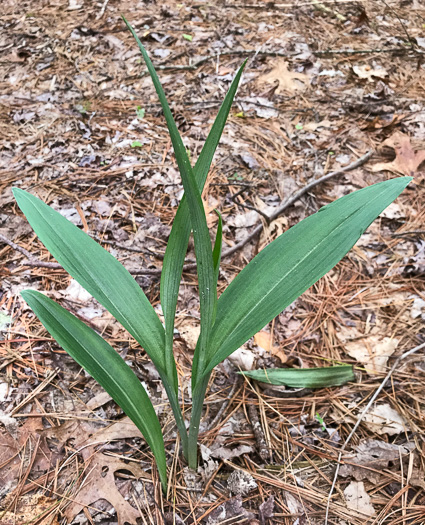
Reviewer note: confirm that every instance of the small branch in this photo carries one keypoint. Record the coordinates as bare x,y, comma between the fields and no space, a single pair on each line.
250,52
35,263
32,261
286,204
361,417
102,10
224,405
15,246
260,439
321,7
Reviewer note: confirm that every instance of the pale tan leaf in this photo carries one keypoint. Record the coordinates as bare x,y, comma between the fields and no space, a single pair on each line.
373,352
407,160
383,419
287,80
358,499
369,73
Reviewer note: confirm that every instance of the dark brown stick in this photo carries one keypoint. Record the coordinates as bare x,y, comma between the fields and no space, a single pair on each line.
279,210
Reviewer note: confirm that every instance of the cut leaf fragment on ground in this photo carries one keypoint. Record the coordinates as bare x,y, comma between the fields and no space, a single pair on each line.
304,377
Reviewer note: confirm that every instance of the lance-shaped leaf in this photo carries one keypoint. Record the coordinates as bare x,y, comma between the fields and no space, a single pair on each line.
203,251
98,272
179,237
104,364
304,377
288,266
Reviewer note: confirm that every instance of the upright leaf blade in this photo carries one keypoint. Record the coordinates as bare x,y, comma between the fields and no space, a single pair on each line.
180,232
101,361
217,246
288,266
185,220
98,272
203,252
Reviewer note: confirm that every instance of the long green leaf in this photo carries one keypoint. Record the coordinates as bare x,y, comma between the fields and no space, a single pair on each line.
217,246
288,266
179,237
304,377
105,365
203,252
98,272
216,261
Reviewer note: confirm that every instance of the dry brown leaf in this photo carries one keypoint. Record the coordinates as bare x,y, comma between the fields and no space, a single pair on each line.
373,352
358,499
86,436
366,71
288,80
29,509
383,419
242,358
15,451
265,341
189,332
375,455
100,484
407,160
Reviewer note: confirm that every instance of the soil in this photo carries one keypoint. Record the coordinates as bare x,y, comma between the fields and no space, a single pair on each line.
325,84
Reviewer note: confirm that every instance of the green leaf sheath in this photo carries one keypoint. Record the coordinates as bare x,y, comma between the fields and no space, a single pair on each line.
304,377
98,272
104,364
288,266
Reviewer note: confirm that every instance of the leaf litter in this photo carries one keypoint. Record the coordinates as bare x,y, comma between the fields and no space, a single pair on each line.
71,88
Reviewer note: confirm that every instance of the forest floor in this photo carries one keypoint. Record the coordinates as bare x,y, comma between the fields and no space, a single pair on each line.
81,128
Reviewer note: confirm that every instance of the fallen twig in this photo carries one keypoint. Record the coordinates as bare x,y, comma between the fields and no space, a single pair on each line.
224,405
263,449
32,261
361,417
289,202
102,10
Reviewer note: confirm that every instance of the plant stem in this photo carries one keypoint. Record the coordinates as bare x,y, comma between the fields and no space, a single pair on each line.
178,416
198,396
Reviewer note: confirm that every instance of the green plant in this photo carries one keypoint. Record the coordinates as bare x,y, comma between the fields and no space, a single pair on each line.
267,285
140,112
304,377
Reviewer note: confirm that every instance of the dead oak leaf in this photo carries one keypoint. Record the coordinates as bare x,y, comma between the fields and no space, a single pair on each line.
407,160
101,485
383,419
373,352
358,499
367,72
288,80
375,455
